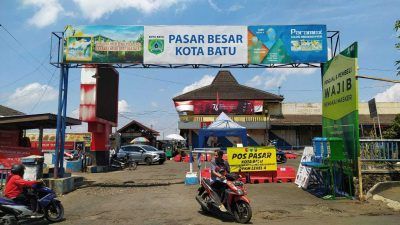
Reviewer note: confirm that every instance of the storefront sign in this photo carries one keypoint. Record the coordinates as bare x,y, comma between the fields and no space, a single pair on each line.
195,44
340,100
248,159
215,107
12,155
70,139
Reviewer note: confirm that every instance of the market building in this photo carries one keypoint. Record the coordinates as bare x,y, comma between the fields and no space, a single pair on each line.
265,115
14,143
133,130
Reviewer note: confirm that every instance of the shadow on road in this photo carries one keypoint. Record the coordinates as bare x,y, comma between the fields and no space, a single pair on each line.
129,184
223,217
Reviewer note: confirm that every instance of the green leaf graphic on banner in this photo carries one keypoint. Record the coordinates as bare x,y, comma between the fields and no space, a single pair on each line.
277,54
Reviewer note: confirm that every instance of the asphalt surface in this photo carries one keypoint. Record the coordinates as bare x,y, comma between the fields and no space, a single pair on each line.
156,195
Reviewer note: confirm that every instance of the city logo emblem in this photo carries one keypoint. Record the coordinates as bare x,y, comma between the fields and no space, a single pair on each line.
156,46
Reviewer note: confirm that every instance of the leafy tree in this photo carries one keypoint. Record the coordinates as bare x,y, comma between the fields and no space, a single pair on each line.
393,132
397,28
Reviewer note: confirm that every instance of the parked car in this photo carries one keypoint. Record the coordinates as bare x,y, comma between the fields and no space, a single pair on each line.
142,154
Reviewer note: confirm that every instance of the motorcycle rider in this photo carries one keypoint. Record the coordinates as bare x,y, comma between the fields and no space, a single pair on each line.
217,179
15,187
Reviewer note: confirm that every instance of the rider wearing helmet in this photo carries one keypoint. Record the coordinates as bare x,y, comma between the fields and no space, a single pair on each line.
15,184
219,167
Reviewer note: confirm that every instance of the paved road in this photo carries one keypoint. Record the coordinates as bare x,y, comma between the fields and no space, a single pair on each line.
156,195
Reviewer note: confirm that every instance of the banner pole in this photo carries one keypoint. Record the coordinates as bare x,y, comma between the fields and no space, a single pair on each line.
360,184
379,126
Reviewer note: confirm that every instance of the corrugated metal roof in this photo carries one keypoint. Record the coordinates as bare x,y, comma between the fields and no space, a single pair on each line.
307,120
5,111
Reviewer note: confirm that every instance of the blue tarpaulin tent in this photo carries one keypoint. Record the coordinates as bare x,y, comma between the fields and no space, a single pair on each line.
223,126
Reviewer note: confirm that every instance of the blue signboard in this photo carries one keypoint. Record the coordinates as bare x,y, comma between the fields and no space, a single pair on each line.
287,44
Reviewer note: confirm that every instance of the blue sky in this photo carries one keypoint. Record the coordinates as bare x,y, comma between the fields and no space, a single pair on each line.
28,83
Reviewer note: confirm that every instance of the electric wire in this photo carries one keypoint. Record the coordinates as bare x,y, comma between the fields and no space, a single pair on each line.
23,47
44,92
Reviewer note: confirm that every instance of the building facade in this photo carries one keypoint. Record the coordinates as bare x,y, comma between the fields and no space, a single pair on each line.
265,115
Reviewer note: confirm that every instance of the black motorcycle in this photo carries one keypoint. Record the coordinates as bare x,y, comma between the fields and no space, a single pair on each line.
123,163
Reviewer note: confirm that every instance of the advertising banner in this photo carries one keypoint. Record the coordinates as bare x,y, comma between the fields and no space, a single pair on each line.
103,44
195,44
287,44
12,155
303,172
262,44
215,107
49,140
340,101
249,159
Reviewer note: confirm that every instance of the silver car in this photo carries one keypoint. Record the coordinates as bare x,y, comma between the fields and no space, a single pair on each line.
142,153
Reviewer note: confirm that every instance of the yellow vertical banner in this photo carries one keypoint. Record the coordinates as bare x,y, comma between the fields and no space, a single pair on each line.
249,159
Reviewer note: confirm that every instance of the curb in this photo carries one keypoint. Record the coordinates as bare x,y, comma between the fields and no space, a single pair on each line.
381,186
395,205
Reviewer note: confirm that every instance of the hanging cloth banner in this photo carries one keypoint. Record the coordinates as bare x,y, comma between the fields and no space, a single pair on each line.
97,44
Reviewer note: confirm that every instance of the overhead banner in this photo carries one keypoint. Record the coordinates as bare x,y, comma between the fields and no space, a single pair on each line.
263,44
215,107
195,44
340,101
103,44
287,44
249,159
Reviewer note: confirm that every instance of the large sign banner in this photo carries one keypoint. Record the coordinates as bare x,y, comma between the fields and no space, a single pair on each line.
215,107
249,159
94,44
340,100
103,44
287,44
195,44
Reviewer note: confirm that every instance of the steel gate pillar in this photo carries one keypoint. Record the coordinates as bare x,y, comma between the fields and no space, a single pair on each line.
61,120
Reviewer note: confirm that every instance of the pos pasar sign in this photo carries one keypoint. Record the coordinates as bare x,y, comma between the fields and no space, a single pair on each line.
249,159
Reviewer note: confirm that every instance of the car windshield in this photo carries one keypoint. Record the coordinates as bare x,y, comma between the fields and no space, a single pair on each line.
149,148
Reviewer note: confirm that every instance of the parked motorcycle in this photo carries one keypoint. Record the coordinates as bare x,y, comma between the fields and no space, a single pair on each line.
47,206
123,163
281,156
234,199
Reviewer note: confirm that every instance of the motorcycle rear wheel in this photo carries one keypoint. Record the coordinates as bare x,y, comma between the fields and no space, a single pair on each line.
9,220
242,212
205,198
54,212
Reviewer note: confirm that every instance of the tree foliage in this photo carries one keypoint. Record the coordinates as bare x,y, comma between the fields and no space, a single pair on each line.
397,29
393,132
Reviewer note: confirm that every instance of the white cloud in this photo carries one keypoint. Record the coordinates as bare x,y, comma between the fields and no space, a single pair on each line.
75,113
214,6
235,8
30,94
94,10
392,94
47,12
180,8
123,106
204,81
274,77
154,104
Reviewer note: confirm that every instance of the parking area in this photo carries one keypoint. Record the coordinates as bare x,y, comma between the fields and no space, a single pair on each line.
156,195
